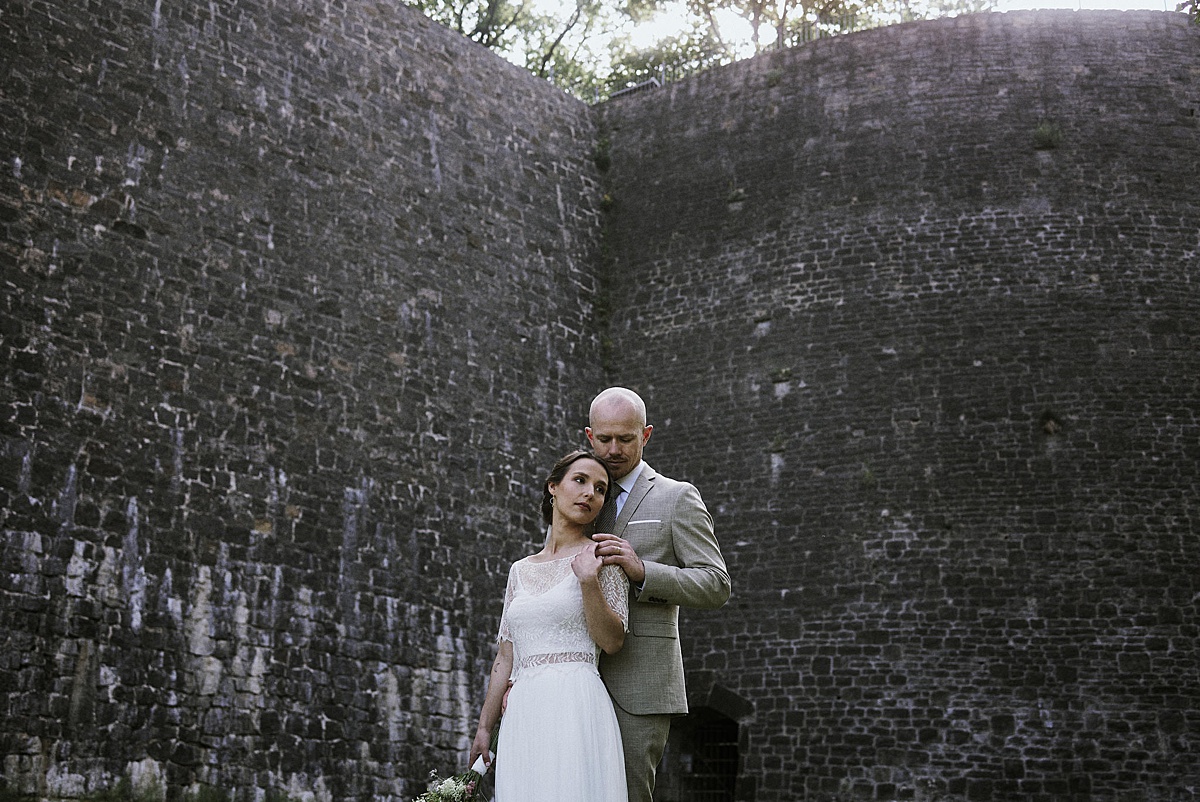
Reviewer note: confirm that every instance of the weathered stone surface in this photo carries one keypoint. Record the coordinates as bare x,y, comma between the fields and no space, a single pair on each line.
299,301
296,311
939,387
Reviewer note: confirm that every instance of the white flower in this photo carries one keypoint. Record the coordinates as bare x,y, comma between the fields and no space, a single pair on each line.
453,788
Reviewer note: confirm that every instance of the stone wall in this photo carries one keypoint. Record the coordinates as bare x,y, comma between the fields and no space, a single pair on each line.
301,299
916,309
297,310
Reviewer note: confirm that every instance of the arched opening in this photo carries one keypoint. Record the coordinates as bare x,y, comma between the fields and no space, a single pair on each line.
700,763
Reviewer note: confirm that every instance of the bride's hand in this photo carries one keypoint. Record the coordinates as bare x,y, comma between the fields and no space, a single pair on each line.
586,564
481,746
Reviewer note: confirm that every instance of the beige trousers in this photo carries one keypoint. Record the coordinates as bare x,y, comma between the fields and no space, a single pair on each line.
643,738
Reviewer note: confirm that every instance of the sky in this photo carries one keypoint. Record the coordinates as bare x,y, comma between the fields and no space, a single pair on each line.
669,20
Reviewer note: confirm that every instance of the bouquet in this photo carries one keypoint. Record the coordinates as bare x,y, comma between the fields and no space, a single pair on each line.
463,787
459,788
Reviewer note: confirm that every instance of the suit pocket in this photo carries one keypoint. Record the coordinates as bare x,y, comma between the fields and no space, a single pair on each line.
656,629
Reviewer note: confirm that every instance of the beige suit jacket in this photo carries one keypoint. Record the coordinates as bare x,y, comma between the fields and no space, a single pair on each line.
667,523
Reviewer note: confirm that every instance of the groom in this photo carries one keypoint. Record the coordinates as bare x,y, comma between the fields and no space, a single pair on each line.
660,533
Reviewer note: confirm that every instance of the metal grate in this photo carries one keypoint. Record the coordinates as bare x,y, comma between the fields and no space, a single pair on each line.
703,758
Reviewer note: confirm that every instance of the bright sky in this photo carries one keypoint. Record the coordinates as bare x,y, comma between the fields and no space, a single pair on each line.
670,19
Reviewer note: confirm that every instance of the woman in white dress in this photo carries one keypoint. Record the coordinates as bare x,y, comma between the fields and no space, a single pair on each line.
559,740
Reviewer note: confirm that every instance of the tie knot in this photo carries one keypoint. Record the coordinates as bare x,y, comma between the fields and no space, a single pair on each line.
619,498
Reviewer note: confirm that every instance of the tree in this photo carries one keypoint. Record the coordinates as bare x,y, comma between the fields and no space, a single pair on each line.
777,22
785,23
583,46
562,43
692,50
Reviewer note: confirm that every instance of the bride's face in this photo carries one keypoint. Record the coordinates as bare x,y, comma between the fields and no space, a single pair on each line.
581,493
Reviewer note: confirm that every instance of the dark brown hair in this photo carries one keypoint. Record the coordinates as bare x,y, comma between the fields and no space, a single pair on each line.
559,471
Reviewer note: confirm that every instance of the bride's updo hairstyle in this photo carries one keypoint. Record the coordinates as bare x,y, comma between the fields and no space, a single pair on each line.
556,476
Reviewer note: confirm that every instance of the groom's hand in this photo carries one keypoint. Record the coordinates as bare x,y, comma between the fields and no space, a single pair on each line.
587,563
618,551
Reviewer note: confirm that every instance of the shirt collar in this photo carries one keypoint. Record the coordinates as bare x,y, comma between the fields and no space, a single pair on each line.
630,479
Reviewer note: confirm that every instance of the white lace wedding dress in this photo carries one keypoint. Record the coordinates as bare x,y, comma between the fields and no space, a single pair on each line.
559,740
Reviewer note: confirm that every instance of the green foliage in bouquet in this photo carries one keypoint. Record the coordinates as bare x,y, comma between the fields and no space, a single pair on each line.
459,788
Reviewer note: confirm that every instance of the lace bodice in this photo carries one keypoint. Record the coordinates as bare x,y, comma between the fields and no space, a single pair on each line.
543,612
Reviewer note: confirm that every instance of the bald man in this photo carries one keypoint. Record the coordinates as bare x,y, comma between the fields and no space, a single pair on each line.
660,533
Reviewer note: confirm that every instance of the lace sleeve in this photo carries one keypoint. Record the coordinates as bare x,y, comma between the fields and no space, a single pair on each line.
615,587
505,632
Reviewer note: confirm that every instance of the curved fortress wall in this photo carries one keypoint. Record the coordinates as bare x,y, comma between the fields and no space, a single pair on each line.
299,298
917,309
296,311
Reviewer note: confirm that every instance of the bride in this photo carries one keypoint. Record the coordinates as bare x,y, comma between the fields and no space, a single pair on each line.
559,740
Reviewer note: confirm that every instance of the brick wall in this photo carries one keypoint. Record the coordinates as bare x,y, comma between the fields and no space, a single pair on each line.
296,312
936,377
301,299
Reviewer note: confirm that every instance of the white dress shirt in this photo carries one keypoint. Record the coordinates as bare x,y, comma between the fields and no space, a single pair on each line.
626,484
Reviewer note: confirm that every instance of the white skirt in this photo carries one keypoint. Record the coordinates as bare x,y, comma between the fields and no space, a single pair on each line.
559,740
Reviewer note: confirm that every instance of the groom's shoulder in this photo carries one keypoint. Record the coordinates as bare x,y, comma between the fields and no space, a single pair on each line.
665,483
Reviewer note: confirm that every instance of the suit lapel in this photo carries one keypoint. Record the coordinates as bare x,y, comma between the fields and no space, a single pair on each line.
640,488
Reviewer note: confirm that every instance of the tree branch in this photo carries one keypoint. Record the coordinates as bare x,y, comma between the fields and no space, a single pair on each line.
571,23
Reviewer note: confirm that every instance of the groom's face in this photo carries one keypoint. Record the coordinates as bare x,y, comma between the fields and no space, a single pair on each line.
618,435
